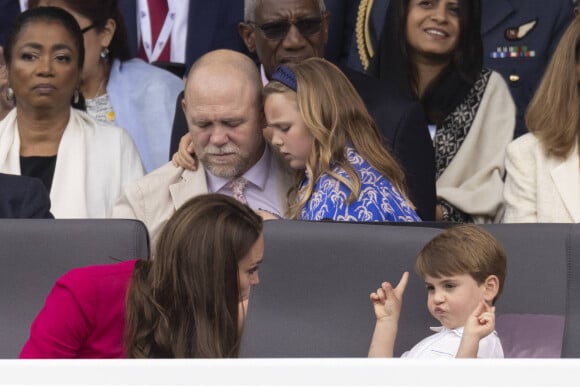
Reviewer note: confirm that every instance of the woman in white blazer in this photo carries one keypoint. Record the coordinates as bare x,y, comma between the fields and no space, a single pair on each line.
84,164
543,167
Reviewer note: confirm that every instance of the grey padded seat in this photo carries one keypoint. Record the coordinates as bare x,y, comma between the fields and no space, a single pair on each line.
34,253
571,347
313,296
530,312
315,280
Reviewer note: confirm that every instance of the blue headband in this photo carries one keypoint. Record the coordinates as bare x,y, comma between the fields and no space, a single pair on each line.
285,76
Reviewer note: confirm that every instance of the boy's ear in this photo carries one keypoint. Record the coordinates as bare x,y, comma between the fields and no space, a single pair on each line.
491,288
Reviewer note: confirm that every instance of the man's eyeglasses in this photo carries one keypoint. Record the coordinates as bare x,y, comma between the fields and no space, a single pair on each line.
279,29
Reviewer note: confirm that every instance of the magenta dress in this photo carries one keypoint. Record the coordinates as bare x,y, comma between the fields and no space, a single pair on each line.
84,315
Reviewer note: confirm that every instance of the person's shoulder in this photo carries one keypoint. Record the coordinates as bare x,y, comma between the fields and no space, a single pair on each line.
495,75
522,13
97,274
97,282
361,164
528,140
496,88
168,172
490,347
361,80
162,178
92,124
139,67
354,157
524,145
494,78
101,132
365,83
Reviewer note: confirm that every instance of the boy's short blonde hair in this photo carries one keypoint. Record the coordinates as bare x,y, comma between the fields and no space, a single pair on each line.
463,249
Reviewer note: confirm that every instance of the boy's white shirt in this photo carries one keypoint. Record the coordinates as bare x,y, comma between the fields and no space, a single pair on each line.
445,343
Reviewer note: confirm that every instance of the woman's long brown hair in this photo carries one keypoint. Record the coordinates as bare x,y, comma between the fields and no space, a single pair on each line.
184,302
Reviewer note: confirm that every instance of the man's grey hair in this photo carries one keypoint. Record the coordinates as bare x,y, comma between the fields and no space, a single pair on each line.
250,9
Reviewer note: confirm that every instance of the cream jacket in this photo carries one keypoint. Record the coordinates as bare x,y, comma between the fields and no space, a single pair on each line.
155,197
540,188
473,181
94,162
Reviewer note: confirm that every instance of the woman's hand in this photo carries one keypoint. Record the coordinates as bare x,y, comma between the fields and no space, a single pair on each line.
184,157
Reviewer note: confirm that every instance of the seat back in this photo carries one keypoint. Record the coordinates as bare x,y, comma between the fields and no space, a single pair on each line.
571,347
313,298
34,253
315,281
531,310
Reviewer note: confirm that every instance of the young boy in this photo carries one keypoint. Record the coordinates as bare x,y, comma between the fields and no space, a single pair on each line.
464,269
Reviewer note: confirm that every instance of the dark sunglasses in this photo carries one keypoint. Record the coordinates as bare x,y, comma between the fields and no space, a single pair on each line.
279,29
88,28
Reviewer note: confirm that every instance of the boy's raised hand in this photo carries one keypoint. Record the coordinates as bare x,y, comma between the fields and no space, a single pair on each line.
387,305
387,301
481,322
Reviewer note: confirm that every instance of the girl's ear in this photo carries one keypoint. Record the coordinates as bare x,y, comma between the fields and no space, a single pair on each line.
491,288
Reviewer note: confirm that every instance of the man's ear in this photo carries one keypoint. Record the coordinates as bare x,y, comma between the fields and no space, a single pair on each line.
491,288
247,33
183,106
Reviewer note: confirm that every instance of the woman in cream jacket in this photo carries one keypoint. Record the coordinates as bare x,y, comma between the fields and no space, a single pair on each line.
543,167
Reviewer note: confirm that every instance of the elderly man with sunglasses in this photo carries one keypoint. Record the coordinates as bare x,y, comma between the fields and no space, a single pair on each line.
289,31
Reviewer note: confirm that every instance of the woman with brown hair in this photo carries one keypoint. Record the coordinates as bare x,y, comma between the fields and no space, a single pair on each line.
543,177
189,301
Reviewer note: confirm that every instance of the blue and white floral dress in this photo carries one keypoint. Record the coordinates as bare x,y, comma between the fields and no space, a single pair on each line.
378,200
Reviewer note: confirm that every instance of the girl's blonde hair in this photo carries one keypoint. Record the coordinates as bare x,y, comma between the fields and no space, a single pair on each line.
336,116
554,112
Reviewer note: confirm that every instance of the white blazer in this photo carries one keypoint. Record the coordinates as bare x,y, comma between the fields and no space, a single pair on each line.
94,162
540,188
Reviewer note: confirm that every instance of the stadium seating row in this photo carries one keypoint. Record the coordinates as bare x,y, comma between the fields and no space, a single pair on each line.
316,277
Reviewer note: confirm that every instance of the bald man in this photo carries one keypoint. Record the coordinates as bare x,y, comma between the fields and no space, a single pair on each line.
222,105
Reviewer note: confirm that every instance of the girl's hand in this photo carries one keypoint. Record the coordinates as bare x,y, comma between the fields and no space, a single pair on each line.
184,157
